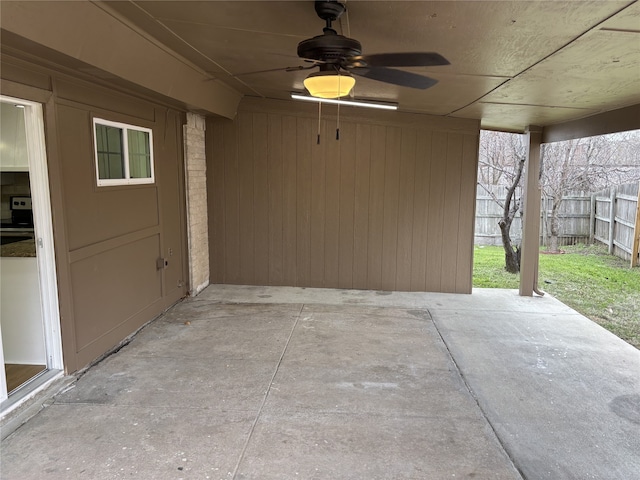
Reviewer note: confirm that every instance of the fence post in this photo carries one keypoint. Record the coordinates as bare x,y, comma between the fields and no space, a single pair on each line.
543,219
612,218
636,234
592,220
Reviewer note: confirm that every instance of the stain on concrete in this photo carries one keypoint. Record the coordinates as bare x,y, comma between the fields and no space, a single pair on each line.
423,314
368,385
383,293
627,407
265,296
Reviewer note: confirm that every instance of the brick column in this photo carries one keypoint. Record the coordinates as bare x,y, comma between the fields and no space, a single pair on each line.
196,189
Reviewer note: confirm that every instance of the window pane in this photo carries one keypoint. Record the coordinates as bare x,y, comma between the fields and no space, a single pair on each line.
120,159
110,158
139,154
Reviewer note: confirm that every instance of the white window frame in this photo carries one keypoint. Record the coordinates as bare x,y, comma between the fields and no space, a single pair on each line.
104,182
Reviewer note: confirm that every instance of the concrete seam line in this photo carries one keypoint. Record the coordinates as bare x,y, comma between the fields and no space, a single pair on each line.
266,395
475,399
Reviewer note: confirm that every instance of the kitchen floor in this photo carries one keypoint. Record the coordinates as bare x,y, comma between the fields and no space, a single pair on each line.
19,374
293,383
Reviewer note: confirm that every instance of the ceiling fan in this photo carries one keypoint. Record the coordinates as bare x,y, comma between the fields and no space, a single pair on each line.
338,57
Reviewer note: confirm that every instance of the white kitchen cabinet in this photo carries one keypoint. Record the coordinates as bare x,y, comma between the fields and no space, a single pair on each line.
13,139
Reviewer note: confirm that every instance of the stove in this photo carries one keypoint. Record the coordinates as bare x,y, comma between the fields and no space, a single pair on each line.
21,212
20,226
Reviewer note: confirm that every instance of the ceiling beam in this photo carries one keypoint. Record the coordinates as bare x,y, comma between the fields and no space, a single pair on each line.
620,120
98,38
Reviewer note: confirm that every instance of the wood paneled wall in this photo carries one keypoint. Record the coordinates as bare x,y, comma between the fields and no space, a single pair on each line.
107,239
390,206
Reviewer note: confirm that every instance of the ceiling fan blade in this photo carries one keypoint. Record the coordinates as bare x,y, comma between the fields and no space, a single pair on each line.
408,59
281,69
217,76
395,77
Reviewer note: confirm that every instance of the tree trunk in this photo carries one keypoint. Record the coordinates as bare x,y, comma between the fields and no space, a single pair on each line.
511,206
554,228
511,255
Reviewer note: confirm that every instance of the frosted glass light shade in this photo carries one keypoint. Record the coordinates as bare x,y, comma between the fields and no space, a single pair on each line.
329,84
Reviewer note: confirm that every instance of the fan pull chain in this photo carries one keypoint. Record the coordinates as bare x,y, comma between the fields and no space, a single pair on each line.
338,124
338,118
319,120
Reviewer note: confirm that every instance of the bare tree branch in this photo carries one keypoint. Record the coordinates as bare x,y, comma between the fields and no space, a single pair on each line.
587,164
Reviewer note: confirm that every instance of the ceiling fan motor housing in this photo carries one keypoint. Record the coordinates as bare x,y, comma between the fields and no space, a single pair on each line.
329,46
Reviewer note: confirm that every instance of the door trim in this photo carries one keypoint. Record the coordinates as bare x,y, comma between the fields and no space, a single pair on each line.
42,218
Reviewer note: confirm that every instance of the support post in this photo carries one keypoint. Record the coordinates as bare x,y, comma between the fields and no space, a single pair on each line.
531,215
635,250
197,217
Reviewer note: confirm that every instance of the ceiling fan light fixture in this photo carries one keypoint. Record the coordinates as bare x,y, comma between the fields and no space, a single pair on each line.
329,84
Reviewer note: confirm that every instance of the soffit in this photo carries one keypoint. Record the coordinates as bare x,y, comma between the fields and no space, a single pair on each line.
512,63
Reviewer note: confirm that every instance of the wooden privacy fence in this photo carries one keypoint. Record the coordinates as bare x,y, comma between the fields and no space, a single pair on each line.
488,213
611,217
616,220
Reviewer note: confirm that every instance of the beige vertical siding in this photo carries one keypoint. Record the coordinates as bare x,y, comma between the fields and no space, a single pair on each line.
390,206
107,239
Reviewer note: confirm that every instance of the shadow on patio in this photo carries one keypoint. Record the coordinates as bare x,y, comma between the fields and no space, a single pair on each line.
284,383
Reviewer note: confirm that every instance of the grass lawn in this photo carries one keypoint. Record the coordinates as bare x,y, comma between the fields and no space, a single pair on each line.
600,286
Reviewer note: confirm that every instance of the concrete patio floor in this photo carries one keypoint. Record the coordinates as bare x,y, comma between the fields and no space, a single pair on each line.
293,383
